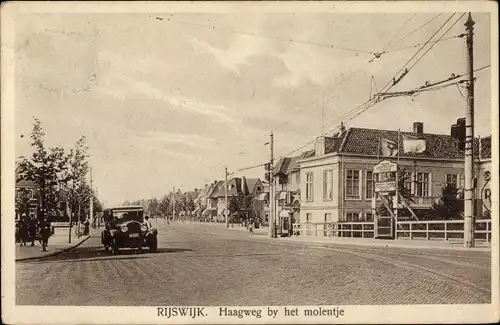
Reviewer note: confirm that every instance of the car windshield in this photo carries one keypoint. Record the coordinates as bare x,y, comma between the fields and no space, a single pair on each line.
128,215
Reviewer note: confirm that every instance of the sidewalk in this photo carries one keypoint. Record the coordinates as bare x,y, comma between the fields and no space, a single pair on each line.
261,234
58,243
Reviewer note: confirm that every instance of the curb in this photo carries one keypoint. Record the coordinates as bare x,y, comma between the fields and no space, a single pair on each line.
54,253
284,241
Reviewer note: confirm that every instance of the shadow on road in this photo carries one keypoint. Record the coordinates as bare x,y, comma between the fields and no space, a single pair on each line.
97,253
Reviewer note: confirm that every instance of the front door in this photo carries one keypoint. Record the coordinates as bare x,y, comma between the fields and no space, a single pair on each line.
384,227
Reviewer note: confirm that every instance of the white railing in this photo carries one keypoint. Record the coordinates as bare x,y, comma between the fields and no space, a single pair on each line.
423,201
427,230
59,224
334,229
442,230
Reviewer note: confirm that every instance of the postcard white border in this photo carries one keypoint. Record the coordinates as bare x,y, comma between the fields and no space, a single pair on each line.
141,315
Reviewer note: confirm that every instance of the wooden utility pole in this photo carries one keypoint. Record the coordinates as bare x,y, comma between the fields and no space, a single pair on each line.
469,218
173,204
91,209
227,202
272,218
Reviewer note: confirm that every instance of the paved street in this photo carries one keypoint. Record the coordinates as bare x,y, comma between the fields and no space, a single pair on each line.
207,265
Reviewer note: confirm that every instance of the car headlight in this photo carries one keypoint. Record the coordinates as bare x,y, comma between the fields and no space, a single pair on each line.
124,228
144,228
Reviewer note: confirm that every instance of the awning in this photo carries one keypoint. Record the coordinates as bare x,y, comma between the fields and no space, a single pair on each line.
283,195
209,211
262,196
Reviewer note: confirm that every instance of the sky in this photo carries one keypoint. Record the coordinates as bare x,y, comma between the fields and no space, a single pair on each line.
171,99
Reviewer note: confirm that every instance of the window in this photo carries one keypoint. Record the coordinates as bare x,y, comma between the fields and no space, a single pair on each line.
351,216
327,185
308,217
368,216
370,184
328,217
309,187
407,180
259,188
352,184
422,184
461,181
31,193
452,179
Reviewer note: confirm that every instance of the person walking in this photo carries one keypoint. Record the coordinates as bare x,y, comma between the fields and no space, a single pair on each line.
147,223
45,232
250,225
32,229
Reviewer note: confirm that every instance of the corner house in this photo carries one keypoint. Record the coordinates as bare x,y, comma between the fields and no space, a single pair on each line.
337,183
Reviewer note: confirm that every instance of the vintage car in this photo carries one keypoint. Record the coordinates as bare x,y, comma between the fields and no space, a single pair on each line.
124,228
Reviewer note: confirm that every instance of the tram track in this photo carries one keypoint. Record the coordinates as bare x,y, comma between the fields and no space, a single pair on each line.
372,254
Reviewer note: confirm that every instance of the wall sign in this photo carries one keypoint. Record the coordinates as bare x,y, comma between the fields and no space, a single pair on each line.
486,191
385,186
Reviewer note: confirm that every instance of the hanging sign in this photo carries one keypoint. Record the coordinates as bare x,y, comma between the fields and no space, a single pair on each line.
385,166
385,186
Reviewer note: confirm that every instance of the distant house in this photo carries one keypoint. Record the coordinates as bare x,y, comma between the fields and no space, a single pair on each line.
236,187
33,191
337,182
287,180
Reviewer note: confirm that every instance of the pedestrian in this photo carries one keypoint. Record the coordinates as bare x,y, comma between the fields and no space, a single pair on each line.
45,232
86,230
32,229
147,223
250,225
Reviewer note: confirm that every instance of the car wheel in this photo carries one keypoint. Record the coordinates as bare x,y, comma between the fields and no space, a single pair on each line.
114,247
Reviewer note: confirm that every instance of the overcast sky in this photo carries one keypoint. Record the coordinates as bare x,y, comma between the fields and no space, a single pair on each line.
170,102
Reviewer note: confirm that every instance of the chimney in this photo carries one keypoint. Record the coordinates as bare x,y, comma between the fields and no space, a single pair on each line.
320,146
418,127
244,188
458,132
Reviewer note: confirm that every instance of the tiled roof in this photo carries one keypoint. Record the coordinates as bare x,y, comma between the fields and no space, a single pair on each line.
366,142
252,183
234,187
332,144
282,165
291,164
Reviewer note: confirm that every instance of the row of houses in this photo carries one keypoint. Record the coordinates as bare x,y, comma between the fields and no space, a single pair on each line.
334,182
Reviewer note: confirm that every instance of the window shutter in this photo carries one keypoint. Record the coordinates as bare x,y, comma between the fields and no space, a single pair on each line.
412,182
430,184
360,185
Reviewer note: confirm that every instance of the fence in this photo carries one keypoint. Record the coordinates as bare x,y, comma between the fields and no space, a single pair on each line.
334,229
442,230
426,230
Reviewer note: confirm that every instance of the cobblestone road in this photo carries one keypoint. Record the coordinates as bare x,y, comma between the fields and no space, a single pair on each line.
206,265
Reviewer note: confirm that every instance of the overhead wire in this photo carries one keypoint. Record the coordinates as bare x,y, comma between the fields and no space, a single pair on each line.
278,38
414,55
430,48
371,102
397,34
417,29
